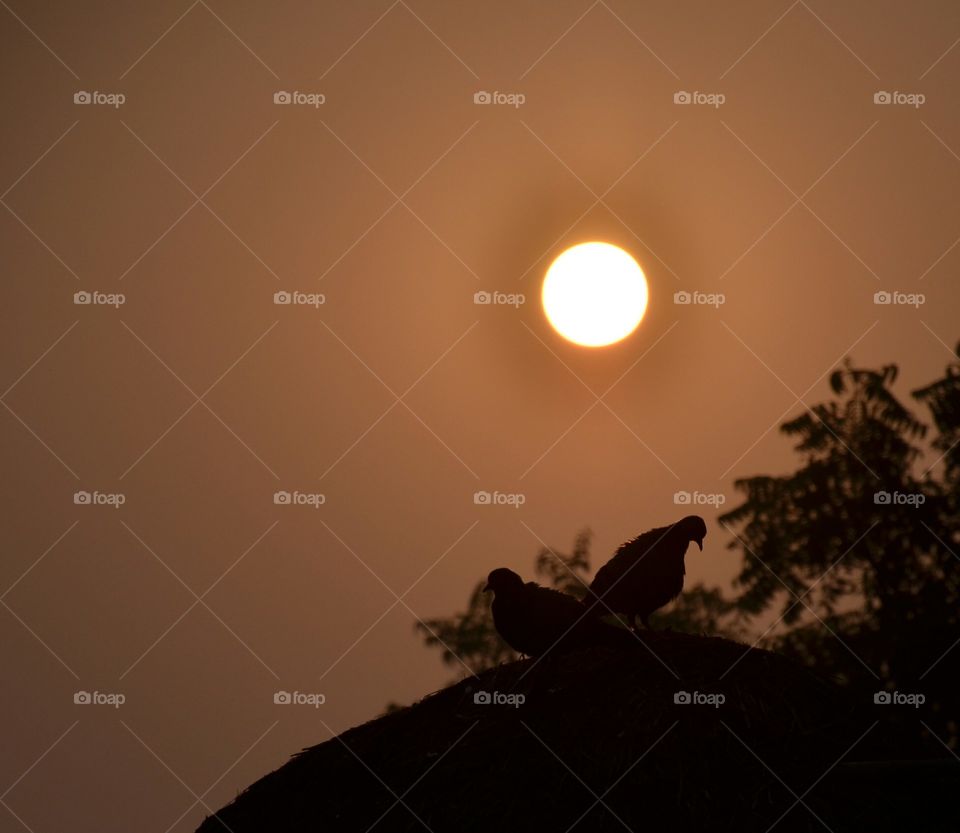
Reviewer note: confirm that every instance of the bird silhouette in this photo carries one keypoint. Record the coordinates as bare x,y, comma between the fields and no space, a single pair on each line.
535,620
645,573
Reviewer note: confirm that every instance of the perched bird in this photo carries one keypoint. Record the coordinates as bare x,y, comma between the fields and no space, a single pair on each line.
534,620
645,573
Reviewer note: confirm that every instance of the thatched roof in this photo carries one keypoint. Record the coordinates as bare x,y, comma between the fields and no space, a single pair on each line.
600,724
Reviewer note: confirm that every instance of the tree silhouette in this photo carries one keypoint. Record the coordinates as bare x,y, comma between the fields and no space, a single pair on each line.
858,546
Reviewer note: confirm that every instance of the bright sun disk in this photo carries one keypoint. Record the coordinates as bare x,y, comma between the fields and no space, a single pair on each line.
594,294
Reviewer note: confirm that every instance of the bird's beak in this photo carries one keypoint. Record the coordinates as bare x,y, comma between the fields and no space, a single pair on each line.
700,544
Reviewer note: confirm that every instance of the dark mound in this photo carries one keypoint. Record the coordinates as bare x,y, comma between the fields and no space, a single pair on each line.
601,743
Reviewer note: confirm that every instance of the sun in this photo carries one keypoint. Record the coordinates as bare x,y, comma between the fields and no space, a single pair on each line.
594,294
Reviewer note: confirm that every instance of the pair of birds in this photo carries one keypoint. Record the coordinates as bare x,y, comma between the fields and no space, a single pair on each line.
643,575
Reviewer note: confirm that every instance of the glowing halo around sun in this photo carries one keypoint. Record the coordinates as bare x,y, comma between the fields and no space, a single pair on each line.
594,294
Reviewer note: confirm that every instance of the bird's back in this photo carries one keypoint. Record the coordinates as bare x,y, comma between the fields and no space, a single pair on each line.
556,616
643,574
641,549
536,619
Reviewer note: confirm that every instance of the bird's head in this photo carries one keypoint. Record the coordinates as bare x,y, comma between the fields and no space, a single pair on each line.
503,580
692,528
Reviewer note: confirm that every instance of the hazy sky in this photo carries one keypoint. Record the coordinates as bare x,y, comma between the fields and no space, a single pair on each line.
817,166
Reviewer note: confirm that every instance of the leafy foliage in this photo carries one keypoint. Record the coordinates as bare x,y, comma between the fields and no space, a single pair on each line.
857,548
943,399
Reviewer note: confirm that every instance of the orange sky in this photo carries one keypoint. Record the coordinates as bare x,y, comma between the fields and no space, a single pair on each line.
396,199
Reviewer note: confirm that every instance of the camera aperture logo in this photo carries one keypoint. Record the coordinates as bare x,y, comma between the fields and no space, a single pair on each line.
96,97
296,97
295,498
506,299
696,97
696,498
899,698
497,97
95,498
899,299
299,299
299,698
914,100
514,499
498,698
699,698
99,698
99,299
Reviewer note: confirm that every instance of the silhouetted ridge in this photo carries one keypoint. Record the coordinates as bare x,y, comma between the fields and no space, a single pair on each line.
610,716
